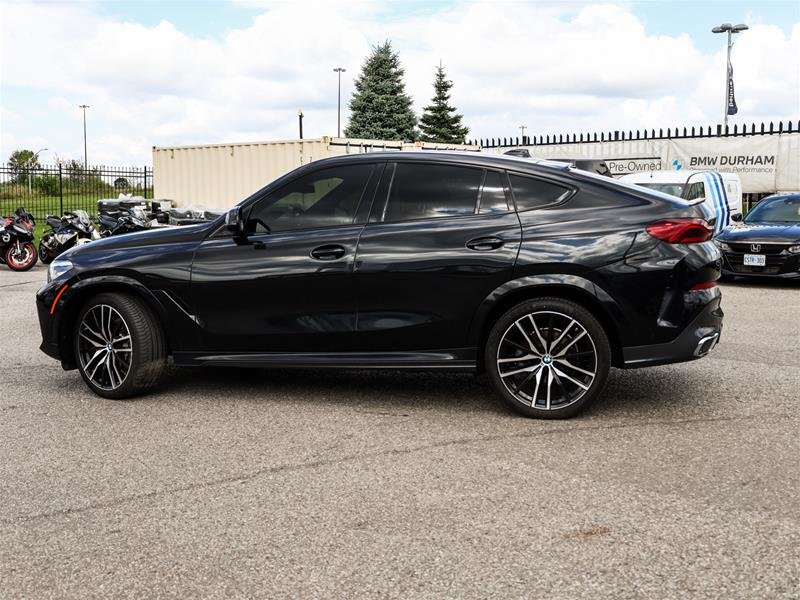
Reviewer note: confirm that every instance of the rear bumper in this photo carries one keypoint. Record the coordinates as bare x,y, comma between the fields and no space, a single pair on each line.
695,341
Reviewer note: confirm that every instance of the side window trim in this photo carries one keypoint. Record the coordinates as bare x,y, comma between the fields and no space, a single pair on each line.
510,207
571,190
364,207
380,199
477,210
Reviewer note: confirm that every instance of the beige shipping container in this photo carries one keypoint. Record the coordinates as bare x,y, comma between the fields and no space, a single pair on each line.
218,176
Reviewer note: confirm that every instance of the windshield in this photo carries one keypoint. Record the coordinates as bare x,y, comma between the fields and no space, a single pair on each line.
777,210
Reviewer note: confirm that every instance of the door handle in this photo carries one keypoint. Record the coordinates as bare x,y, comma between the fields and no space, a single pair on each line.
328,252
485,244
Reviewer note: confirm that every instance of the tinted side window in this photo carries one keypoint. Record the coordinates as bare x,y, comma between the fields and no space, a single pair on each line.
432,191
320,199
493,196
534,193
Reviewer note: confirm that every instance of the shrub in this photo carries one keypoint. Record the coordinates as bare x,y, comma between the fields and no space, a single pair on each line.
46,185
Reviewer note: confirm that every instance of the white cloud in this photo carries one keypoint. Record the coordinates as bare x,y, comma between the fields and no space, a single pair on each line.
554,66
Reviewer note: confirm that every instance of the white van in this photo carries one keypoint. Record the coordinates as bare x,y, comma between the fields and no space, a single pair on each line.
722,192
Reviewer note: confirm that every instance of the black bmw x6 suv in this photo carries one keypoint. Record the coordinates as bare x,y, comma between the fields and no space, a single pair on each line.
540,275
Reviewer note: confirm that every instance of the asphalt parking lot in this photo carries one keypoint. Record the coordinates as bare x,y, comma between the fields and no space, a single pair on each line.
684,481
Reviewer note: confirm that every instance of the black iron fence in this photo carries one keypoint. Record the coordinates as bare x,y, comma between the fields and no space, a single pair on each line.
770,128
55,189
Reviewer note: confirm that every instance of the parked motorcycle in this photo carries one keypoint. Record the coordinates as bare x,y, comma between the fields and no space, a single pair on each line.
16,241
129,219
72,229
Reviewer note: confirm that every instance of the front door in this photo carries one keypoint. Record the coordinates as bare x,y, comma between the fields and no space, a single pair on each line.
437,244
288,286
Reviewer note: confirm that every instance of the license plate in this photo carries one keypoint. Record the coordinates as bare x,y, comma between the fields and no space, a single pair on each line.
755,260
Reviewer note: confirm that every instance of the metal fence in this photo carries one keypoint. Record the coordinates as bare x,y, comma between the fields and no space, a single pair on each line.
55,189
763,128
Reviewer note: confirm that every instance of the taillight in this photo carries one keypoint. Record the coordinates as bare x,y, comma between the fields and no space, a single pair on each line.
705,285
681,231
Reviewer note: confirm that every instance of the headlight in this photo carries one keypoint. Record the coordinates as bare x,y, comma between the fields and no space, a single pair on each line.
57,268
794,249
722,246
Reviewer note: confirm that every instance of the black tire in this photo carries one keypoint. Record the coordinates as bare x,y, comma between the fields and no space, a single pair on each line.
15,263
146,346
44,254
570,355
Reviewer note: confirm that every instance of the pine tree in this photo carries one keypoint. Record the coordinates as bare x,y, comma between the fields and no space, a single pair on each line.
440,122
380,109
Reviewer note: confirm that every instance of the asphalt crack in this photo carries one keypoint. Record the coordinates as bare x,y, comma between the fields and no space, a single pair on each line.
314,464
5,285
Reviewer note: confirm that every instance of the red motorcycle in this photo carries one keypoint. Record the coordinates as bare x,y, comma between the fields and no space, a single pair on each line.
16,241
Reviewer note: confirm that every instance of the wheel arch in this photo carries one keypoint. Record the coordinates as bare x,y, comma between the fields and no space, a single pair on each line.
568,287
82,291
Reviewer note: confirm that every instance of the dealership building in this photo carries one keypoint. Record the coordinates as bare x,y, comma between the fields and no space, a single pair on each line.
766,157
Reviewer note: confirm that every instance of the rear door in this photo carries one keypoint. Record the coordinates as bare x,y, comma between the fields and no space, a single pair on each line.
441,237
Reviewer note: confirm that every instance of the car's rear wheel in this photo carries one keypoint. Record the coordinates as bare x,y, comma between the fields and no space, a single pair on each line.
119,346
548,358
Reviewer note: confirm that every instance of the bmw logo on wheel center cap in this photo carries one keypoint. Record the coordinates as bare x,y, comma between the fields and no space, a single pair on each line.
547,359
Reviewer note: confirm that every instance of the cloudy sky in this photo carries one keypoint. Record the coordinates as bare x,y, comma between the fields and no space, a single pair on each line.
178,73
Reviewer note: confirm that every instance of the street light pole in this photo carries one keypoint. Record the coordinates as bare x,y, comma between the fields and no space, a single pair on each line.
727,75
85,161
730,30
339,70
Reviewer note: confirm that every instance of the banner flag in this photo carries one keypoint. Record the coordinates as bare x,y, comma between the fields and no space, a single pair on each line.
732,109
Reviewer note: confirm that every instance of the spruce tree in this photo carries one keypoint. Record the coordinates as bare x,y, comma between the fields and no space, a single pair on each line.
380,109
440,122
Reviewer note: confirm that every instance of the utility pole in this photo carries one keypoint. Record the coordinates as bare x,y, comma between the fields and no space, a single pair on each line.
300,122
729,29
339,70
85,161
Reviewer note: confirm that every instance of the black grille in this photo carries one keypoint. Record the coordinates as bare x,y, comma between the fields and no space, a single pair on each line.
765,248
775,263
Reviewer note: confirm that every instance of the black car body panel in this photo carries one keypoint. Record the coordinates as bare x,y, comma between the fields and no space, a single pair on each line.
413,293
778,242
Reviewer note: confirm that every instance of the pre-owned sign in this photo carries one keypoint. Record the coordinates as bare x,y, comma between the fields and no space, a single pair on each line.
624,166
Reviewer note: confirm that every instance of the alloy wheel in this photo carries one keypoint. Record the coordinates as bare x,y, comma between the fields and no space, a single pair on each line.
105,347
547,360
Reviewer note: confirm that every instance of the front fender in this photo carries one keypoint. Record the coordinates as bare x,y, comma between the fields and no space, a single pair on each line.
62,315
572,287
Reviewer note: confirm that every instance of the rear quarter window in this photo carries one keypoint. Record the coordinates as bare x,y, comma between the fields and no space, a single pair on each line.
531,192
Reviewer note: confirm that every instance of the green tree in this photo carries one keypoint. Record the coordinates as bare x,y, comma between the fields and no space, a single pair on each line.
380,108
22,162
440,122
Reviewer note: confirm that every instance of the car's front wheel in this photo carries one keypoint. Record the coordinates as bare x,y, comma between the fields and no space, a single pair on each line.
120,346
548,358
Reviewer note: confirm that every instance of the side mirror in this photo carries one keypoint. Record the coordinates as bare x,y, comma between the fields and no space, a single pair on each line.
233,221
737,217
